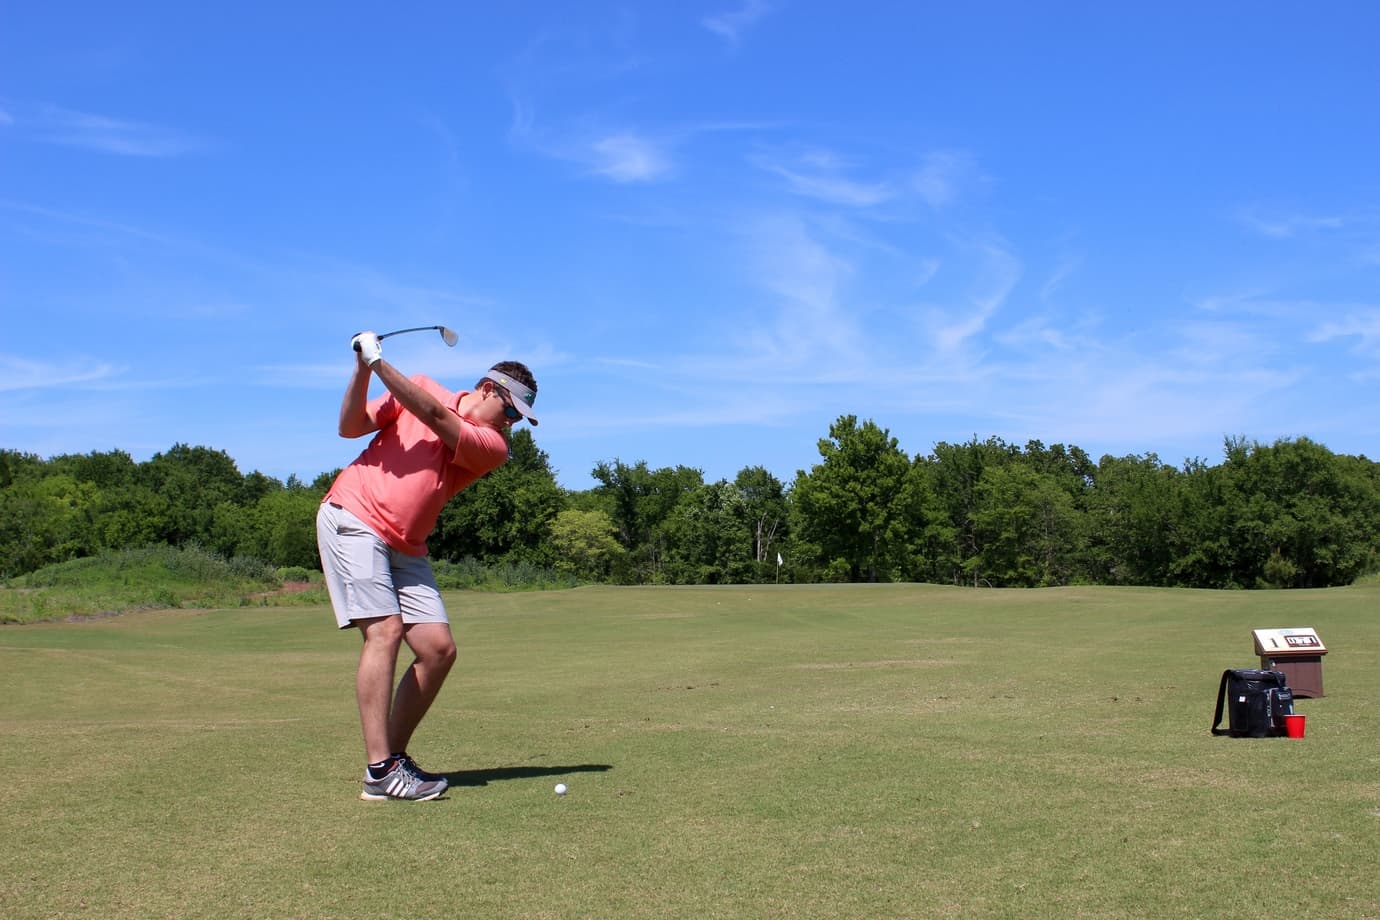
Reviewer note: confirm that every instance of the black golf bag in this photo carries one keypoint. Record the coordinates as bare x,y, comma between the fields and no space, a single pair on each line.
1256,703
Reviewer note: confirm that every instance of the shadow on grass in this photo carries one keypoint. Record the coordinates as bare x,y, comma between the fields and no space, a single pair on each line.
495,774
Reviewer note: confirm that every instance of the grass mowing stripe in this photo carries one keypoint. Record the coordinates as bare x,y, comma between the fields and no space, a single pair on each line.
803,751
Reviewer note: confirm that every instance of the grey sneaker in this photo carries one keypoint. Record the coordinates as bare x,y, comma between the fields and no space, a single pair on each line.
401,783
417,771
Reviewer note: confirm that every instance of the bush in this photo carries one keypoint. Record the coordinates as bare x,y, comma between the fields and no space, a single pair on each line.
474,575
158,576
298,573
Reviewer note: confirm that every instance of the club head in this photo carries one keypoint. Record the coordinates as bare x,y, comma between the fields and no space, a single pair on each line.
448,336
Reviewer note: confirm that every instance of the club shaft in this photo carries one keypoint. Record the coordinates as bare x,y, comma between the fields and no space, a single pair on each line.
402,331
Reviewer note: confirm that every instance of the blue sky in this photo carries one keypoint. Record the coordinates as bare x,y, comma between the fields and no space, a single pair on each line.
711,228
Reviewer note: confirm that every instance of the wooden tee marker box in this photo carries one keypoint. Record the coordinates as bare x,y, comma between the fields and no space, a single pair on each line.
1296,653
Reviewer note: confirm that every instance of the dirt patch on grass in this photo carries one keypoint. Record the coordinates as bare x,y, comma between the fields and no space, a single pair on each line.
288,587
873,665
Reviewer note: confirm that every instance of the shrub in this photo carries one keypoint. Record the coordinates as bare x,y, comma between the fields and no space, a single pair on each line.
474,575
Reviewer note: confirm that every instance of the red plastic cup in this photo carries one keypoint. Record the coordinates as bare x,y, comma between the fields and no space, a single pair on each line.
1293,726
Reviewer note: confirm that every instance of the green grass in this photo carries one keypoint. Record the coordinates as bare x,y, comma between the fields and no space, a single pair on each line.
167,577
150,578
843,751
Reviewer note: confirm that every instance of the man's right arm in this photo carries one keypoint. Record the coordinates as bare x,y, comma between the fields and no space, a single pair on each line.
355,418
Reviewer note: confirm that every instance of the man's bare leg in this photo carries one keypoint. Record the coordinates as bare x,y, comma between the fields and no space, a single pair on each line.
378,660
434,648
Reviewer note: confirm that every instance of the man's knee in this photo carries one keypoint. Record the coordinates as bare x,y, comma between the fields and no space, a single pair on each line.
442,654
449,653
433,645
382,631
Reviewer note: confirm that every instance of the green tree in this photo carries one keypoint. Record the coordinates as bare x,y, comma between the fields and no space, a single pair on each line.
639,501
322,483
1138,521
767,508
192,481
106,470
16,466
255,486
1296,516
585,546
47,519
1204,555
1070,467
710,537
123,512
126,517
954,472
932,547
505,515
848,508
285,531
1027,527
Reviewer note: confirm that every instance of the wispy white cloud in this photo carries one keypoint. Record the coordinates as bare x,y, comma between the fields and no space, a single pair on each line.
941,179
387,294
1171,384
1290,226
926,270
731,25
19,373
1360,324
1039,332
1221,344
823,175
618,154
303,376
997,270
101,228
942,175
624,156
1347,240
1076,381
834,189
806,279
175,267
1144,404
1064,270
629,157
637,155
51,124
559,65
523,122
1261,303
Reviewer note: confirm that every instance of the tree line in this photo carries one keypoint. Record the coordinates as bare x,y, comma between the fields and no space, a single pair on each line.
981,513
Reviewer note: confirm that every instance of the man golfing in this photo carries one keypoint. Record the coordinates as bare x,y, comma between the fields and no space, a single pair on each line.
372,527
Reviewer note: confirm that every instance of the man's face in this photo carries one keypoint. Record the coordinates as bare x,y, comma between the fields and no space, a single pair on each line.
496,408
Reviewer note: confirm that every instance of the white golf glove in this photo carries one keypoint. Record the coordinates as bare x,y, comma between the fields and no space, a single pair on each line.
368,346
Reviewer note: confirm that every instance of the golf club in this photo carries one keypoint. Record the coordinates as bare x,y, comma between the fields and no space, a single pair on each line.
447,334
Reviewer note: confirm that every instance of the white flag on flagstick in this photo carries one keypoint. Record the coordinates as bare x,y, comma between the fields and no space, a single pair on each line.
778,559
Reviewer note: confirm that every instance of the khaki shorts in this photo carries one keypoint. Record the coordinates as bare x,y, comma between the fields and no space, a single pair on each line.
367,578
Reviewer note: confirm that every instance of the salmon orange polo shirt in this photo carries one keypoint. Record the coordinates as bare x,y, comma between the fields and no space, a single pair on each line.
401,481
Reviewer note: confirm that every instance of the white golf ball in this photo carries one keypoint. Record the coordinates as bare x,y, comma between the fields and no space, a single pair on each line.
560,789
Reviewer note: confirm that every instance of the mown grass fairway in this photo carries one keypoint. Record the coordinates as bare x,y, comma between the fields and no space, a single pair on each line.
853,751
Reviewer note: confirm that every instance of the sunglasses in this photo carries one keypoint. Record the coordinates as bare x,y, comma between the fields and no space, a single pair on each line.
510,411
